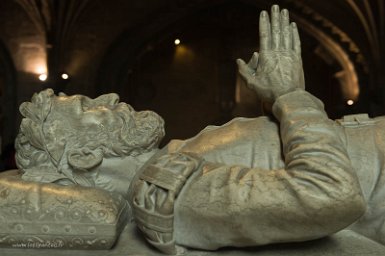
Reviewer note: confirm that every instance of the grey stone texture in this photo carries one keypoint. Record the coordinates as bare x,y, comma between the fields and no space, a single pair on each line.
86,165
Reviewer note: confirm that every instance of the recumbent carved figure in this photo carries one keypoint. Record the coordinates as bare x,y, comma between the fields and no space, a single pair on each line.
296,176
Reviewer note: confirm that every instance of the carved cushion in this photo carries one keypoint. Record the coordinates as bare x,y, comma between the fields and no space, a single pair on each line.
44,215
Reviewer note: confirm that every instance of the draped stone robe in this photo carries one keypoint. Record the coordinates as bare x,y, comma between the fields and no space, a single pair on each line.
265,181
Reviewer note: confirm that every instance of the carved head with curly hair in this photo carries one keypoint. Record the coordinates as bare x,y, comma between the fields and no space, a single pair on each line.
66,139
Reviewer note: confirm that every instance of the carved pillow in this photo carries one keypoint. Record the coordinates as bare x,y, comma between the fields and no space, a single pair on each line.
43,215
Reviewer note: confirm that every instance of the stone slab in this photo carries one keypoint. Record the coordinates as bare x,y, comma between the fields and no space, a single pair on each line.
344,243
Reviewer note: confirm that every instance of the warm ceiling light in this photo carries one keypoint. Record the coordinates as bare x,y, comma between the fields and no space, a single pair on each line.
177,42
350,102
43,77
65,76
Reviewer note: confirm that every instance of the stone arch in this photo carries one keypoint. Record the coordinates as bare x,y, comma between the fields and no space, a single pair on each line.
132,44
116,67
347,76
8,97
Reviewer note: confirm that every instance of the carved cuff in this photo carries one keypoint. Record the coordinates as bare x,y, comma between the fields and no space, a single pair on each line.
168,174
294,101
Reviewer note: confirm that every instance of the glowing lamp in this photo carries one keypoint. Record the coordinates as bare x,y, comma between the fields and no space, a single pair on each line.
43,77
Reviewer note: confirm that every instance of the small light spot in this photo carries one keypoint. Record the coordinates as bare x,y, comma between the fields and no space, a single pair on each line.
65,76
43,77
177,41
350,102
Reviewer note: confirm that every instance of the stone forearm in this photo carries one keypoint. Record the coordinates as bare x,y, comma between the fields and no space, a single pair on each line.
315,195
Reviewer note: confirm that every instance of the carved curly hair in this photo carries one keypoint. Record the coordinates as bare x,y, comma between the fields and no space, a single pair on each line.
42,152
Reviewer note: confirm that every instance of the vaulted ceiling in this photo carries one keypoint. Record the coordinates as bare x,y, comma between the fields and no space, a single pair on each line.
116,45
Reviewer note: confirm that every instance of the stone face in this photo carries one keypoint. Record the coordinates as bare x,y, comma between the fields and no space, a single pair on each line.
70,139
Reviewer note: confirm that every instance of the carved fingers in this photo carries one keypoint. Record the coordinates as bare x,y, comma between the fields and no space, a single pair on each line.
296,39
275,28
264,31
278,34
253,62
153,198
277,69
286,33
157,202
154,194
246,72
149,197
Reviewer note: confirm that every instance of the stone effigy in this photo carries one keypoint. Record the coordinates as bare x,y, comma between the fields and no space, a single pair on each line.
89,166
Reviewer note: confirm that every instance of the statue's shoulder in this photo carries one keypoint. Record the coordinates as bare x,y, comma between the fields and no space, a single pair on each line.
235,139
234,130
240,126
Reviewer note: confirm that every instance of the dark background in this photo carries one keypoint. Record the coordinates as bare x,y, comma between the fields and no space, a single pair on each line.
128,47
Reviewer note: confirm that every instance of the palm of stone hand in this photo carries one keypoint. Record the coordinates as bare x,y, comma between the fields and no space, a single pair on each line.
277,70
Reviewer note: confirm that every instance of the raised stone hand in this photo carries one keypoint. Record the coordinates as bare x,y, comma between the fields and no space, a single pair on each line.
277,69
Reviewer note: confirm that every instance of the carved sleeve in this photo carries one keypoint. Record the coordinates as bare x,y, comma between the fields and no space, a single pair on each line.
316,194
